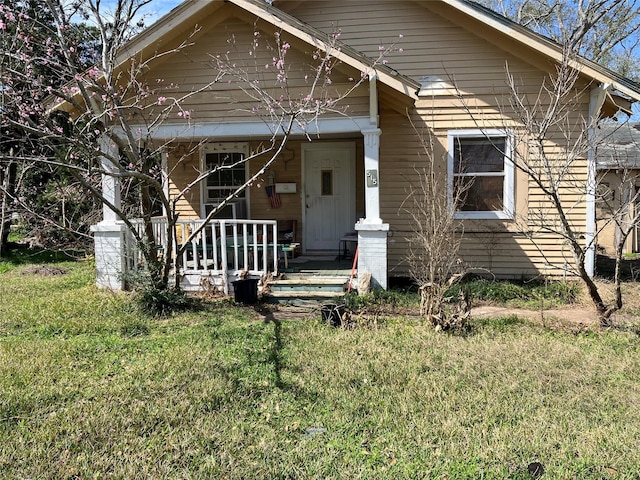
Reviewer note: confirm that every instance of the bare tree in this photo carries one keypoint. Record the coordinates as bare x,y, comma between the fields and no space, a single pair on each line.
605,31
555,135
553,138
433,255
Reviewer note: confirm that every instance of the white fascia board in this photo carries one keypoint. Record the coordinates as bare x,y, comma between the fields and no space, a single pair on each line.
182,14
251,129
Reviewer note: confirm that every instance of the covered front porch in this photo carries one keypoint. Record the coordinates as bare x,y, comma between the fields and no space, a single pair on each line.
225,251
312,197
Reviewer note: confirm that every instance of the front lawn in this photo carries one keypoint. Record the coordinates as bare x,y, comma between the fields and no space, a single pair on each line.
91,389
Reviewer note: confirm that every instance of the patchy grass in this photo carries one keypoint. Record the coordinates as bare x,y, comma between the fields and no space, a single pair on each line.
529,295
88,388
18,256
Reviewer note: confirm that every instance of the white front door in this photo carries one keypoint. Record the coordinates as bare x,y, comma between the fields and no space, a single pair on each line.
329,194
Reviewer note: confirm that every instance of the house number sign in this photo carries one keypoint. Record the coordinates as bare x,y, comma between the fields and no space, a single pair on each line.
372,178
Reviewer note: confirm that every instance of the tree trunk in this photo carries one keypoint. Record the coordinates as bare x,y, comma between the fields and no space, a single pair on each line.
7,174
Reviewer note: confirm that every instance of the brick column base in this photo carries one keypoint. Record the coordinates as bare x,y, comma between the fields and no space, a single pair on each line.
110,252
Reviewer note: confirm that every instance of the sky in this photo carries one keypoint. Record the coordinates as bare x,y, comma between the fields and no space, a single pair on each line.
157,8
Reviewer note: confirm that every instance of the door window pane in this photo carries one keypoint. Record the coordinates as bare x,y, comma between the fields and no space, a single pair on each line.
327,182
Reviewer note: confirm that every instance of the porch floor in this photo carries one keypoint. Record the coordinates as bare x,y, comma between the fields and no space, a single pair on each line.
318,265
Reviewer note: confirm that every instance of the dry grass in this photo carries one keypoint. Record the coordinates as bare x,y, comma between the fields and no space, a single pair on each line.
89,389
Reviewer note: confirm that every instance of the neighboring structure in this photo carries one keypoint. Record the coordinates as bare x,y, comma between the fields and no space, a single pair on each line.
618,157
352,174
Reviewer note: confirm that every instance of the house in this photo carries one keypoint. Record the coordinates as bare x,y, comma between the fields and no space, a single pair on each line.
348,172
618,203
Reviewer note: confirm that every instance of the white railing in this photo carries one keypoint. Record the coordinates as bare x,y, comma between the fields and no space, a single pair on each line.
225,248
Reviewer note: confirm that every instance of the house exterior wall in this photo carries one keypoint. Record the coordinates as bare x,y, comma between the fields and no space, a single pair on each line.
506,248
184,164
469,84
465,89
288,169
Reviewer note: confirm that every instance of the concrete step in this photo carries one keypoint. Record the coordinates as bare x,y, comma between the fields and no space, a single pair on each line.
304,294
309,284
306,288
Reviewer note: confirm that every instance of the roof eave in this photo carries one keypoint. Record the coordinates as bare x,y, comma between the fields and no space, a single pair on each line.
548,47
181,15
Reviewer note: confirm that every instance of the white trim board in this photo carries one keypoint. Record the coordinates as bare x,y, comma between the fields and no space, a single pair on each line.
249,129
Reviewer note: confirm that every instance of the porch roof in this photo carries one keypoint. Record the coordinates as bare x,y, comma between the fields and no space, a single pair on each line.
253,129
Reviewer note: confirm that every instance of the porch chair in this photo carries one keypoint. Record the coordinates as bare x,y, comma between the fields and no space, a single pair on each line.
347,241
287,231
287,239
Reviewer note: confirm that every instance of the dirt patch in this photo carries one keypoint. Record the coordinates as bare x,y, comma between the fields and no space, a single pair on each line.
44,271
574,318
288,312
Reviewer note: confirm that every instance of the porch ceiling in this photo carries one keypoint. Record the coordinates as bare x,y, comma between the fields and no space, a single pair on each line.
390,98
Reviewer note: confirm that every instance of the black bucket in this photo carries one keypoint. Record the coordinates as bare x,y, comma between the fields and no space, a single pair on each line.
245,291
332,314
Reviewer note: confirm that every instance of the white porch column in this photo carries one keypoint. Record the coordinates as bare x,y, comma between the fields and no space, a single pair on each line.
109,234
372,233
596,101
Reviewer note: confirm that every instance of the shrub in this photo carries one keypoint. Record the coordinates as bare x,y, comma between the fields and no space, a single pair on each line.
155,299
163,302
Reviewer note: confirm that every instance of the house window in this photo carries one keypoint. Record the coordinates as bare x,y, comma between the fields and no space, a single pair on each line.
227,163
481,171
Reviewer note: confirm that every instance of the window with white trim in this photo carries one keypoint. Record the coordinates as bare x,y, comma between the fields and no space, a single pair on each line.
480,168
229,156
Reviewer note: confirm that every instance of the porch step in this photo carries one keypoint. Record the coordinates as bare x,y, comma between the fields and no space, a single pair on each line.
302,294
308,288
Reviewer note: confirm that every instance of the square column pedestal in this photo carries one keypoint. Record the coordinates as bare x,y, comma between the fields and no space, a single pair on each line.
372,252
109,241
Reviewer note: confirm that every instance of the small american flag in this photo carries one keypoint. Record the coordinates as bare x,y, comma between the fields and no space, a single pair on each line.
274,198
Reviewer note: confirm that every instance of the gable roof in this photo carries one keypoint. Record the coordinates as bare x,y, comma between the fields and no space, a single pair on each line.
545,45
185,15
549,48
186,12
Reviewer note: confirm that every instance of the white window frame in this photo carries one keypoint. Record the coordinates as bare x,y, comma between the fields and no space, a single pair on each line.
508,194
221,147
